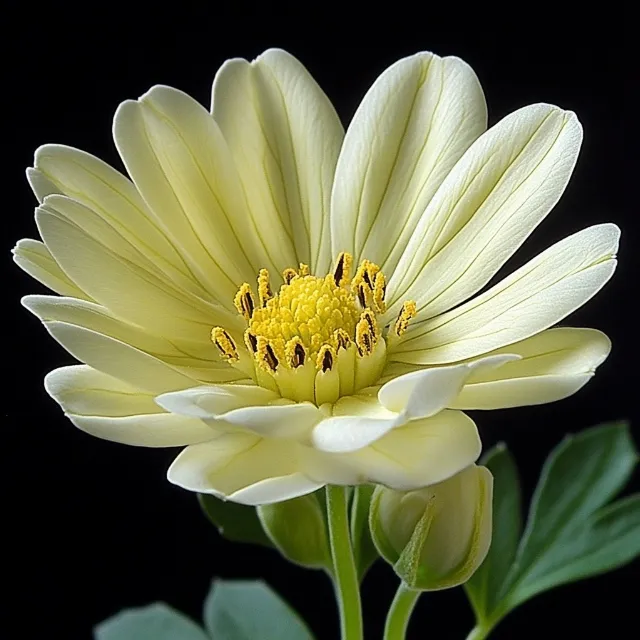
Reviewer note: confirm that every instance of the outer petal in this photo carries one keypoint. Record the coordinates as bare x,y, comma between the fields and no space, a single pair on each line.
117,276
118,359
244,468
502,188
420,453
285,137
178,163
109,408
93,183
247,407
415,122
358,421
197,360
554,364
534,297
33,257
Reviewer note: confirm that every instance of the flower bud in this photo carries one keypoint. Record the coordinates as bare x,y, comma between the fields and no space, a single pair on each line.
297,529
435,537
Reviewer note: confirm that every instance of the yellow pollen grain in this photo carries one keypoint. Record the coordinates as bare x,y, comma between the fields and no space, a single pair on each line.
264,287
379,290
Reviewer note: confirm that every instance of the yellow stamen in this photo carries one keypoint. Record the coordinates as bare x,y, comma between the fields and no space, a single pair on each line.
364,339
225,344
289,274
244,301
341,339
326,358
264,287
250,341
368,316
379,289
407,312
266,356
295,352
342,271
304,269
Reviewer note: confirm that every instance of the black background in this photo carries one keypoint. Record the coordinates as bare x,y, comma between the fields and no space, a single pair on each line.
91,526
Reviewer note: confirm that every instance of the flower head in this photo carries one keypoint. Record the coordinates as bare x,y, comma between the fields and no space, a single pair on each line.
299,306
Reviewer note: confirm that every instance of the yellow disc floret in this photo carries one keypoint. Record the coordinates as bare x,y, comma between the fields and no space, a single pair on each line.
315,337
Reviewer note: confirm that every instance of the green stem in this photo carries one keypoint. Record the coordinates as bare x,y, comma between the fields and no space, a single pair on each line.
345,576
478,633
400,613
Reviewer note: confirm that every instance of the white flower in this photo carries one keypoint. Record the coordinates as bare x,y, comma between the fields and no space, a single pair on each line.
356,368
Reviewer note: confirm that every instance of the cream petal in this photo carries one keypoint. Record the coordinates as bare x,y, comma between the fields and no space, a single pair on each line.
420,453
533,298
196,360
501,189
120,283
243,467
245,406
109,408
554,364
63,170
146,141
210,402
285,137
357,421
421,394
33,257
415,122
117,359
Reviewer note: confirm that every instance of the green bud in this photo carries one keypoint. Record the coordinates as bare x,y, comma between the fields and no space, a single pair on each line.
435,537
297,529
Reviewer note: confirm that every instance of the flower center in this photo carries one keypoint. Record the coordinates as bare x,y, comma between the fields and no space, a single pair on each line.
317,338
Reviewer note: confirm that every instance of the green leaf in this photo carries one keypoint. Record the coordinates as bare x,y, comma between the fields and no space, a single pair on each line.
571,532
297,529
364,550
486,585
154,622
579,477
248,609
234,521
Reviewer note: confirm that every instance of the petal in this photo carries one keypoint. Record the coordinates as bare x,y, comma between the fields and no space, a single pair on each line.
176,157
117,359
244,468
33,257
114,410
115,275
533,298
93,183
194,359
357,421
413,125
208,403
285,137
420,453
421,394
245,406
554,364
501,189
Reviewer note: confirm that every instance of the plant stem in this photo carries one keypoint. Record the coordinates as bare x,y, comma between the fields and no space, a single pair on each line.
478,633
400,613
345,576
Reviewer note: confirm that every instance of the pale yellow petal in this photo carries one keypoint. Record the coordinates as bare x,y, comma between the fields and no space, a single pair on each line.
501,189
285,138
554,364
536,296
415,122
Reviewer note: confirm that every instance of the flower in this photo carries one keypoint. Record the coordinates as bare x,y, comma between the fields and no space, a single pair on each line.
435,537
297,306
